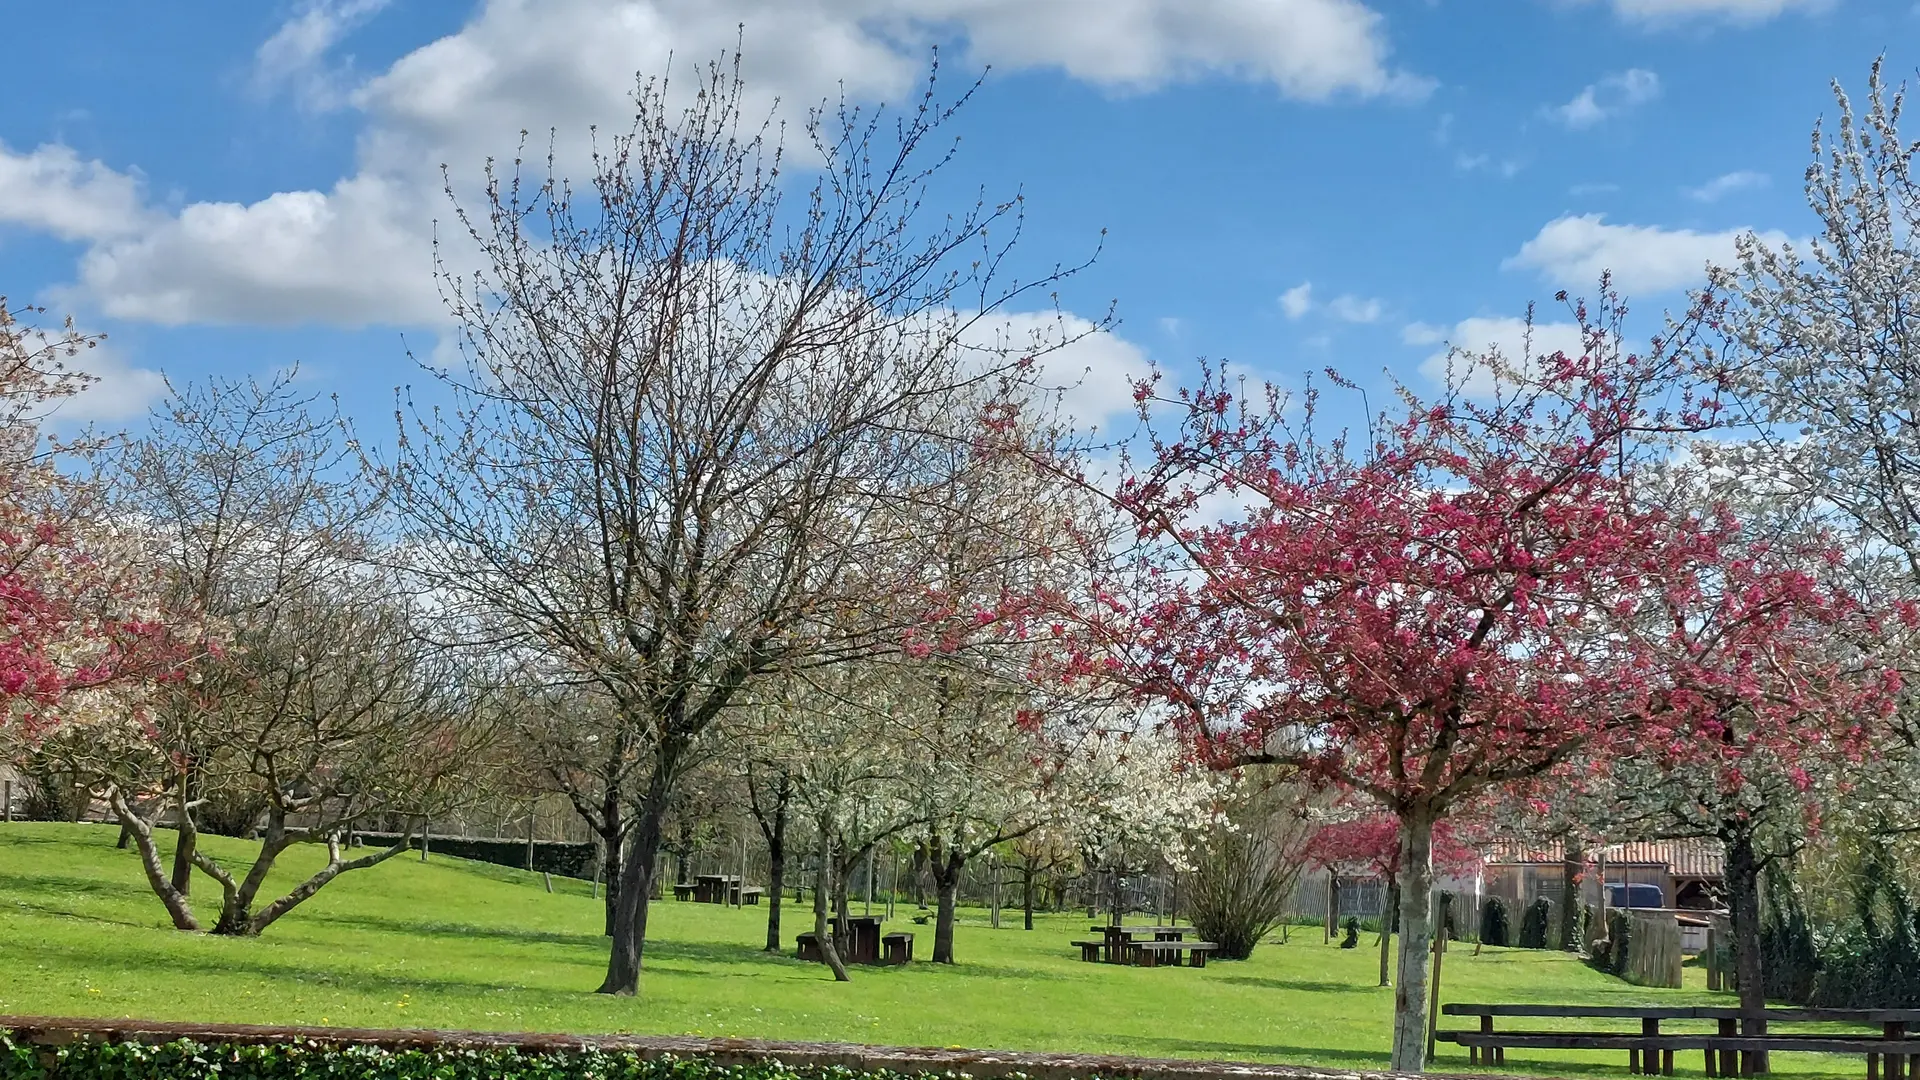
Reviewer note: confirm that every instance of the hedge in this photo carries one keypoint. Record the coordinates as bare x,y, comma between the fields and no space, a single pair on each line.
67,1048
562,858
188,1060
1536,925
1496,926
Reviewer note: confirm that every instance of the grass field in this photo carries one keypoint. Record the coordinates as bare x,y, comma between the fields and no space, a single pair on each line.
465,945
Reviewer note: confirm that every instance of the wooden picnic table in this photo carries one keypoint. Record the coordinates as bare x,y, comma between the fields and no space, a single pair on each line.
1728,1050
1120,939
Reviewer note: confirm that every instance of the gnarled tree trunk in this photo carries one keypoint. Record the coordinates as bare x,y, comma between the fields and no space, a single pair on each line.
823,889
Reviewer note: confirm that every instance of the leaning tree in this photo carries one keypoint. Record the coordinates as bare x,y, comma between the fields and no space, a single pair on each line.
685,392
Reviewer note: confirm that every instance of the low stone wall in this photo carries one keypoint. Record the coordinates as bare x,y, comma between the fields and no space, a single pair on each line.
982,1064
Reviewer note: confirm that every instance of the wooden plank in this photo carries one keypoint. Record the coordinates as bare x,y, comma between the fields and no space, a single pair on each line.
1697,1012
1621,1012
1579,1040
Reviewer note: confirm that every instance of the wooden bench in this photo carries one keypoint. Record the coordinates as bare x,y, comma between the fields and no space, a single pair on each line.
1090,950
898,946
1154,953
684,890
751,896
1727,1051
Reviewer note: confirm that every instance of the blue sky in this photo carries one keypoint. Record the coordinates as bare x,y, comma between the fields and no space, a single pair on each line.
234,186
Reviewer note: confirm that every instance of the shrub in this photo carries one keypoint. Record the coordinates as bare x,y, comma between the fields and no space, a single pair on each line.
1875,962
1577,930
1620,940
1446,913
1536,924
1789,958
1495,923
1243,880
300,1060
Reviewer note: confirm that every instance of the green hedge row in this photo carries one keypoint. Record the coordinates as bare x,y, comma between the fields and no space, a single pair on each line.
187,1060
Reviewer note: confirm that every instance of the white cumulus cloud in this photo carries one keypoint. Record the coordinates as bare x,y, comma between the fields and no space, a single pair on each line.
1573,251
1356,309
120,390
1516,343
359,254
1664,12
52,190
298,55
357,251
1611,96
1726,184
1297,301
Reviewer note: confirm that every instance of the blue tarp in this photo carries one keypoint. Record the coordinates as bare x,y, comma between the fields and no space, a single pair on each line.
1623,895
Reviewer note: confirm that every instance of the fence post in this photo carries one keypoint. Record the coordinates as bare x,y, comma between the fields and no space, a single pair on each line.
1433,1000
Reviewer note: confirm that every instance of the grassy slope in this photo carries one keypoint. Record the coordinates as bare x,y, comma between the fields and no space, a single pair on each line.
464,945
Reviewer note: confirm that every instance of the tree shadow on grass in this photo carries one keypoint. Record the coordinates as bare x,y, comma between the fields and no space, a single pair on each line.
65,913
236,965
1305,986
426,928
1226,1051
44,883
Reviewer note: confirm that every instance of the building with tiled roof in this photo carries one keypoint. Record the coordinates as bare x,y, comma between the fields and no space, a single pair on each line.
1687,873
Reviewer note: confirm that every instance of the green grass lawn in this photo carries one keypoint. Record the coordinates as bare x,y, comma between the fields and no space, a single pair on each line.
453,944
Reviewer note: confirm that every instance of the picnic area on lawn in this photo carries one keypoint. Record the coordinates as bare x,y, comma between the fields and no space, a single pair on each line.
455,944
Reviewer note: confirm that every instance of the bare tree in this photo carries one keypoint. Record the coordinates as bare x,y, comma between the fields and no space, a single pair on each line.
684,398
580,749
325,707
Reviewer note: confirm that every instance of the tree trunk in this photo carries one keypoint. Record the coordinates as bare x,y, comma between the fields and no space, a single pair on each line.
176,904
1026,893
183,844
636,882
823,931
993,876
611,842
1416,938
1333,904
919,878
185,838
842,873
1386,929
946,879
1572,863
239,923
776,881
1743,903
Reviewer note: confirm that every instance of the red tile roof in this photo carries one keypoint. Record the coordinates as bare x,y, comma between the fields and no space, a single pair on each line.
1681,858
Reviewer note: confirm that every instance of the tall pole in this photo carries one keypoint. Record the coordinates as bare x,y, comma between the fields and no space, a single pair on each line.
1433,1001
530,821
